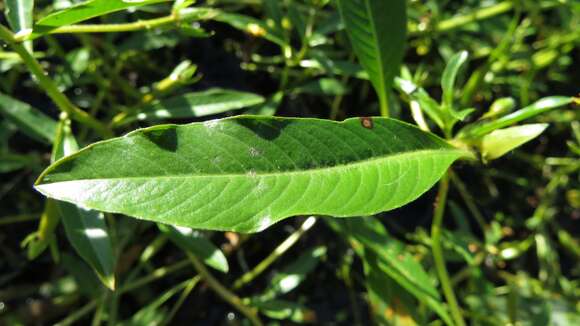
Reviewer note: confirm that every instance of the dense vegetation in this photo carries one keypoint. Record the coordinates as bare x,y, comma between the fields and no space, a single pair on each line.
294,161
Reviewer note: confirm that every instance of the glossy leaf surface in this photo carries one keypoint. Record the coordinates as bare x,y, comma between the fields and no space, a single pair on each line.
19,14
199,104
449,77
84,11
195,242
85,229
248,172
543,105
501,141
377,30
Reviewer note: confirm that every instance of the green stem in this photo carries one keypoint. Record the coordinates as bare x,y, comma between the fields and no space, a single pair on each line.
49,86
384,105
279,251
439,259
224,293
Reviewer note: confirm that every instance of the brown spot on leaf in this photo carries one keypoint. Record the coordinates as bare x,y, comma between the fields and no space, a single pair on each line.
366,122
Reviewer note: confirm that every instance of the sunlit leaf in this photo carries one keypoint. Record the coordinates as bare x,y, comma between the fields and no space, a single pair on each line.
261,169
195,242
84,11
85,229
500,141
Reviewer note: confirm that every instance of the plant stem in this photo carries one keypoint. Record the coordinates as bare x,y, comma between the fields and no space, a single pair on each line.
224,293
436,231
279,251
49,86
384,105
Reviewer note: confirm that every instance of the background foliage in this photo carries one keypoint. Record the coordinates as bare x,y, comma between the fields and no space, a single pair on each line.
510,234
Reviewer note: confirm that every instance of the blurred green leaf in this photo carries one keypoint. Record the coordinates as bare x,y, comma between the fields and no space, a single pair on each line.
153,313
323,86
500,107
199,104
11,162
477,130
448,81
29,120
500,141
289,277
284,310
252,26
389,302
196,243
377,30
84,11
19,14
392,259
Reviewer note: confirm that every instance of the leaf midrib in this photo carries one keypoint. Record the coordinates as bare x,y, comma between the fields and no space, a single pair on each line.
249,173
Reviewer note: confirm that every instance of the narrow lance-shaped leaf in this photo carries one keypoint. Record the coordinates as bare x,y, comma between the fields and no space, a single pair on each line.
251,25
85,229
194,242
377,29
199,104
499,142
448,80
19,15
84,11
29,120
387,255
477,130
248,172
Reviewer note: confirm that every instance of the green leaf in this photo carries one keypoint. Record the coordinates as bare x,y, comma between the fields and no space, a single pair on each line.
292,275
477,130
377,29
501,141
19,15
323,86
249,172
195,242
426,102
499,107
392,259
252,26
11,162
85,229
29,120
200,104
448,80
84,11
284,310
389,302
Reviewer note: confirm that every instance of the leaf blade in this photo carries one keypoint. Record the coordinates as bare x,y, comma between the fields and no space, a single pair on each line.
199,104
377,30
29,120
84,11
19,15
85,229
262,169
197,244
